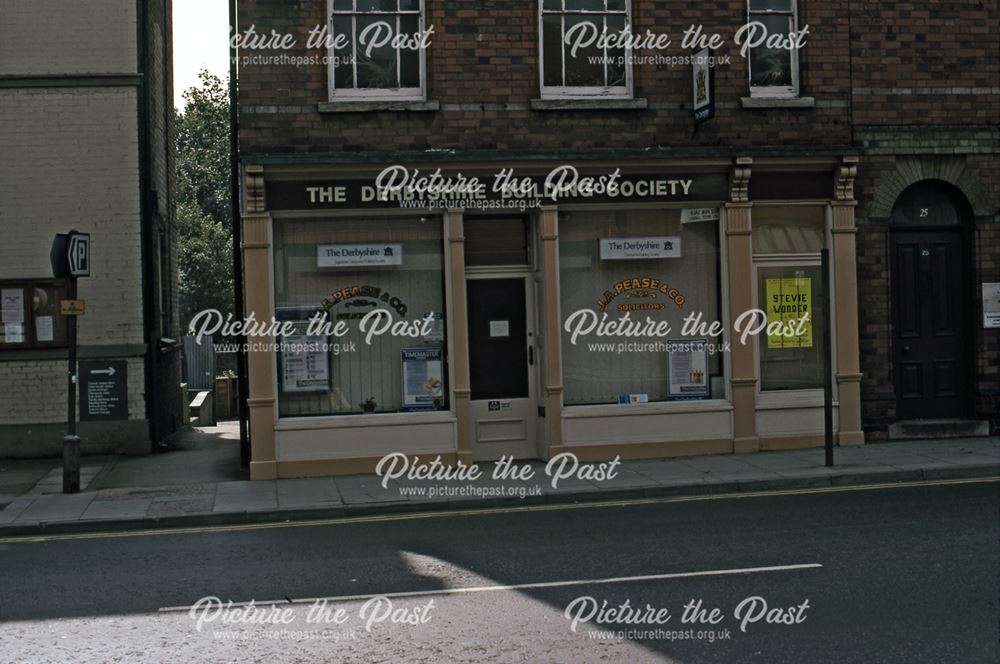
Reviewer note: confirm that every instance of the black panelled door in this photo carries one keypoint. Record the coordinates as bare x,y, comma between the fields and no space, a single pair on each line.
929,326
498,342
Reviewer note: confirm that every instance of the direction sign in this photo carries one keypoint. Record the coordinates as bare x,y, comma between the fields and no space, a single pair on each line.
103,390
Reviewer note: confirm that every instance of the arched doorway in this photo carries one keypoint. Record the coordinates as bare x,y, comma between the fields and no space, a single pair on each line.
929,271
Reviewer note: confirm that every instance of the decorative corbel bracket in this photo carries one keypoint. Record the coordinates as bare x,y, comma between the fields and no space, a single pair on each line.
253,189
739,182
844,177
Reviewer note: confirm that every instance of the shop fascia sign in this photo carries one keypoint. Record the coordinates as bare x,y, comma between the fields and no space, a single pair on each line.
359,255
633,248
562,185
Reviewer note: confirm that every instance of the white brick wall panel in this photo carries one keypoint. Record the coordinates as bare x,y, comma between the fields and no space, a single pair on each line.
78,174
39,37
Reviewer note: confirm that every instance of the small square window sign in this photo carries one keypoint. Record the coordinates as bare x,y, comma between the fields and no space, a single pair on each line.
499,329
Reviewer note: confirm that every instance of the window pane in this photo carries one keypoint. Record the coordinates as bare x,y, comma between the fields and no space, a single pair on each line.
616,61
786,294
409,5
552,49
376,5
788,230
343,5
376,66
343,63
49,324
616,5
771,66
585,5
409,59
771,5
552,5
585,68
339,379
496,242
601,377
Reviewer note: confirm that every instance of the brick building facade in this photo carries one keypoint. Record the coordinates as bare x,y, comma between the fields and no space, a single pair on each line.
86,125
809,148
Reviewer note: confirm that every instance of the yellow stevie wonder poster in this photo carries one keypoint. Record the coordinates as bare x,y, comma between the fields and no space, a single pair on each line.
787,301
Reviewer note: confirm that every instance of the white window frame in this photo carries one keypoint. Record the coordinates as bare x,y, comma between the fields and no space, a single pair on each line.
582,92
373,94
777,91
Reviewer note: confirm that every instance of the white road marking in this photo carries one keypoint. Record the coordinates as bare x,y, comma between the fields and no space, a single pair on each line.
523,586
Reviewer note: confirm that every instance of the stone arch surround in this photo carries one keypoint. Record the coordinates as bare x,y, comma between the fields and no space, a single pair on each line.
911,170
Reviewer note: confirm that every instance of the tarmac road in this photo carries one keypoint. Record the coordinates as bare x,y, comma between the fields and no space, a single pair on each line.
904,574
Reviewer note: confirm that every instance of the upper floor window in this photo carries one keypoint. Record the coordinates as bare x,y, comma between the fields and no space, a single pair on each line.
584,48
774,69
377,49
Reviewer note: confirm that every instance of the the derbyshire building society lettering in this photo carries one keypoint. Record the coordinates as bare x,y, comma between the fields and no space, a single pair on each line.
564,184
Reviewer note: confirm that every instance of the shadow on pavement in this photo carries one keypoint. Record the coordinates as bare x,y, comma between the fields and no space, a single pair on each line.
192,456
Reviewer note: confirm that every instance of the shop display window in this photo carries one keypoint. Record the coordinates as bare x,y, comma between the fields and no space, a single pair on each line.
787,242
366,274
676,274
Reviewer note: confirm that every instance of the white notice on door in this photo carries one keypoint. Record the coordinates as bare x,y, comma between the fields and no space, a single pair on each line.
499,329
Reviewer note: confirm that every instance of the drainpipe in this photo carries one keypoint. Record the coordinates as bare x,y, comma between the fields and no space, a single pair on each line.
242,386
149,322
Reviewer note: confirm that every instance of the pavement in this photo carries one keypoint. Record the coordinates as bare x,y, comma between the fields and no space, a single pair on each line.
201,483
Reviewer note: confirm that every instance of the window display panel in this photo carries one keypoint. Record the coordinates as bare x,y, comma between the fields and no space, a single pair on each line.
382,280
791,358
645,267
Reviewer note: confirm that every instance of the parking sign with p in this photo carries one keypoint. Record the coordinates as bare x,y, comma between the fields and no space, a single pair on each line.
70,255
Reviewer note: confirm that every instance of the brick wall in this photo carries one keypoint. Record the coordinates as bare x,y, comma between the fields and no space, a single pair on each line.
483,70
71,156
34,391
69,161
882,179
58,37
925,62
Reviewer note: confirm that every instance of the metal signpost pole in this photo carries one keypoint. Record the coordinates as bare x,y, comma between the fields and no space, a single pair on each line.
827,359
70,257
71,442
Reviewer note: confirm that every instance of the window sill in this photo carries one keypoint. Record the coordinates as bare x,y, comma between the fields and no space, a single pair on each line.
384,105
595,104
778,102
352,420
653,408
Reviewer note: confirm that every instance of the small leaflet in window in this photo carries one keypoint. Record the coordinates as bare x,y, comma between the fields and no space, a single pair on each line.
14,333
44,330
12,309
687,365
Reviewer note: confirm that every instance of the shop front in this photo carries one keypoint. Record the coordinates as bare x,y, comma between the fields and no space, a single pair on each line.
653,309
